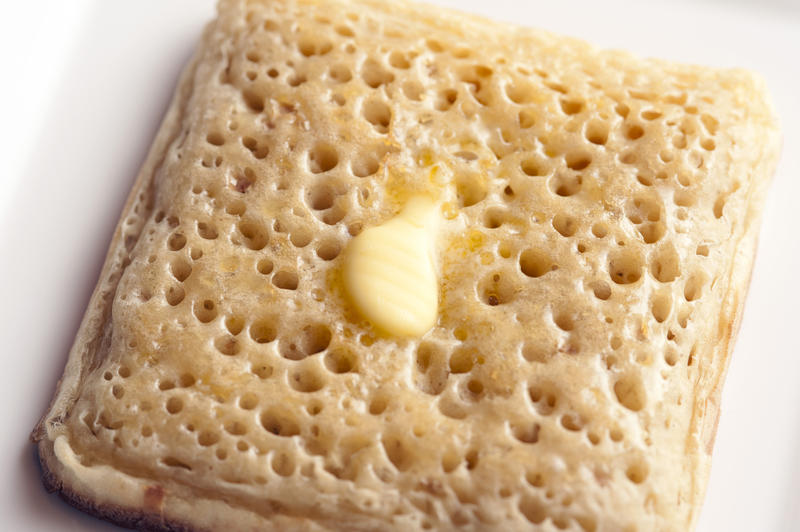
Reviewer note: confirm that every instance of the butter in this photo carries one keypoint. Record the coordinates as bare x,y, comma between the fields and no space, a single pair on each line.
390,271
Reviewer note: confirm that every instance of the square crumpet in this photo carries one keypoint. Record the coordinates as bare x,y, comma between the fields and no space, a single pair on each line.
599,216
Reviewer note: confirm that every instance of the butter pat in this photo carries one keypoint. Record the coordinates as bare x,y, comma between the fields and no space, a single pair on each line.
390,271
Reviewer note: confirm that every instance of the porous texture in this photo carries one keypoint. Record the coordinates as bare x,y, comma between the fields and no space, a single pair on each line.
601,213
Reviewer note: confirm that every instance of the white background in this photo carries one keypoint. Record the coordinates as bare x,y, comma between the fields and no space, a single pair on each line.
84,85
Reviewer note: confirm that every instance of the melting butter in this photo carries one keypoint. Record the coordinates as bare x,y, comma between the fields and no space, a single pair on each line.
390,270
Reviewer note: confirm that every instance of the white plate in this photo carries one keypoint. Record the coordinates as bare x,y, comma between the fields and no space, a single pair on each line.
85,84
